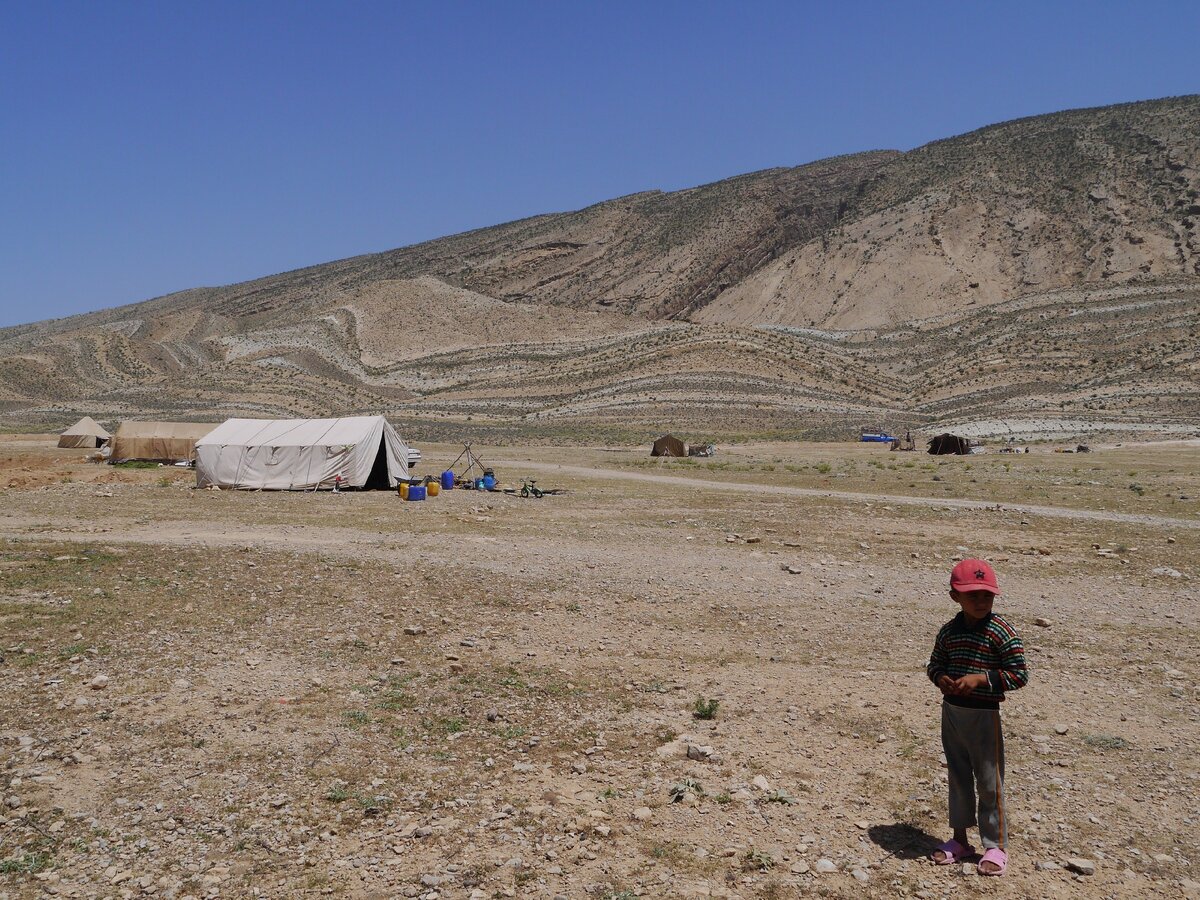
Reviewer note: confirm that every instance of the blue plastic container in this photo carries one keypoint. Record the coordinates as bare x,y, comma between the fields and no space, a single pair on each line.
416,492
447,480
489,482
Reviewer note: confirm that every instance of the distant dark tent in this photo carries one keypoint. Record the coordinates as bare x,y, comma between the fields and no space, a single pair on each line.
669,445
947,443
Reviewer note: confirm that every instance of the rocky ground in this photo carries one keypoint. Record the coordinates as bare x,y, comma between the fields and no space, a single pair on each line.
678,679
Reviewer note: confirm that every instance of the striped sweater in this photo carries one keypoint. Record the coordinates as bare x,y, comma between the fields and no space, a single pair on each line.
991,646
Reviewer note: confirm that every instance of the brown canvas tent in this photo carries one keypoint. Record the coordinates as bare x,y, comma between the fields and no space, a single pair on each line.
85,433
669,445
165,442
948,443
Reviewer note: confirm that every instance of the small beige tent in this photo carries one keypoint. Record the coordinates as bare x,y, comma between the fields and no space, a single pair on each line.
302,454
165,442
85,433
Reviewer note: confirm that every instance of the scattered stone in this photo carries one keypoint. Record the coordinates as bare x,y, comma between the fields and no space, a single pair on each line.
642,814
761,783
970,869
1166,571
1061,729
1046,865
799,867
861,876
99,683
672,748
1042,623
826,866
1164,858
700,752
413,629
1081,866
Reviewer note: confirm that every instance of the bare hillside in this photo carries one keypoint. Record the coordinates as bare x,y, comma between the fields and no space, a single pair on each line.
1047,267
1082,197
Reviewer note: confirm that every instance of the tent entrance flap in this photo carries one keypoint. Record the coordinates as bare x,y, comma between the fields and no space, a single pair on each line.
378,479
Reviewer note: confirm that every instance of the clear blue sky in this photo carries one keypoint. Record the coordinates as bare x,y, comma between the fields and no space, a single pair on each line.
149,147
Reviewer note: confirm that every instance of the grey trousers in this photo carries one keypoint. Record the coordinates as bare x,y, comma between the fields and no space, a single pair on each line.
974,745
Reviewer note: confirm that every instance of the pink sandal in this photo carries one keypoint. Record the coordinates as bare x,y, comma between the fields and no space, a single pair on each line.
954,852
997,858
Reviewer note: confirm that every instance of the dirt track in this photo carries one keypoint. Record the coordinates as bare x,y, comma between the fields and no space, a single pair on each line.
1053,512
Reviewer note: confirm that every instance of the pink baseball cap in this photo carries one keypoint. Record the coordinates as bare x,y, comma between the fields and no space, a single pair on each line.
974,575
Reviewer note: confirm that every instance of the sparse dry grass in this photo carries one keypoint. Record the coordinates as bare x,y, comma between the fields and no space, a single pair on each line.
263,691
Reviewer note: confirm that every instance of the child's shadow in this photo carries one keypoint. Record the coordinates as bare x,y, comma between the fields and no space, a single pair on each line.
903,841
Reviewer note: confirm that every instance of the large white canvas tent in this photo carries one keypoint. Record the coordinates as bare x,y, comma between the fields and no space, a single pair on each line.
84,433
302,454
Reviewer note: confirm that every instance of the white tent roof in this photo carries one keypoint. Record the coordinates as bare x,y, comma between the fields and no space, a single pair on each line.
291,432
299,454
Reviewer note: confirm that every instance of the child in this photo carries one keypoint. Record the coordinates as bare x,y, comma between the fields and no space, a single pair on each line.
976,657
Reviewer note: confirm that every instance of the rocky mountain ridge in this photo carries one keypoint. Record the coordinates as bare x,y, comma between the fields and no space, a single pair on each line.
799,299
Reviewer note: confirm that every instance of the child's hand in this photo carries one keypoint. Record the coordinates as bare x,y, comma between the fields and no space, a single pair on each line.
968,683
946,684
